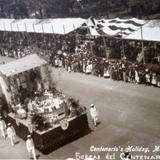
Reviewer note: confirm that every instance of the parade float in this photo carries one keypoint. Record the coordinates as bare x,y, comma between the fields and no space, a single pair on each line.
36,107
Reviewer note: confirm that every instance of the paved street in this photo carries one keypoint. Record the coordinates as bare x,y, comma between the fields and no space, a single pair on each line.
129,115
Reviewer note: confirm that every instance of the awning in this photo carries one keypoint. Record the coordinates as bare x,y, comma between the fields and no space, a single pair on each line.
148,32
22,65
55,26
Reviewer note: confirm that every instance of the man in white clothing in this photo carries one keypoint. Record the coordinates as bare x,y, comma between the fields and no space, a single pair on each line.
3,127
30,147
11,134
94,114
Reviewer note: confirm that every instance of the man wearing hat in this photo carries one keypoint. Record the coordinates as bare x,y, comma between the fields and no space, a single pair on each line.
3,127
11,134
30,147
94,114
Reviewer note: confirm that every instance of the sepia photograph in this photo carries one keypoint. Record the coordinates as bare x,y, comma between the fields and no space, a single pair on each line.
79,79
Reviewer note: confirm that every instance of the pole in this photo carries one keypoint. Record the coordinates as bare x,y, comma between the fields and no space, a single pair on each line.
105,46
74,28
4,33
34,33
10,37
64,29
19,32
11,27
42,34
42,28
46,48
4,27
52,28
26,35
33,28
90,41
25,27
123,50
17,27
142,42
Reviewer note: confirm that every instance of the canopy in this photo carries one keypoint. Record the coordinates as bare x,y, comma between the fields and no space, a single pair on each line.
134,29
55,26
22,65
115,27
148,32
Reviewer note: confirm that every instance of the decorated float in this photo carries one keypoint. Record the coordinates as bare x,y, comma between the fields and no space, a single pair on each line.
35,106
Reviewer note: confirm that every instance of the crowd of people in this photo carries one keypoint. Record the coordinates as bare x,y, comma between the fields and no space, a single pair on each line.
88,55
115,70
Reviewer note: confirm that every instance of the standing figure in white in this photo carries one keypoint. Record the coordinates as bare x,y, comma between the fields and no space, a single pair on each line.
30,147
11,134
94,114
3,127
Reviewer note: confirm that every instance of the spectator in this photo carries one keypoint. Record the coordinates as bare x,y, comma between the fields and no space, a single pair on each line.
94,114
30,147
11,134
74,54
3,127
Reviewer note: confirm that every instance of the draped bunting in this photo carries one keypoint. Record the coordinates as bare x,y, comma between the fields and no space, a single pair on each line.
115,27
